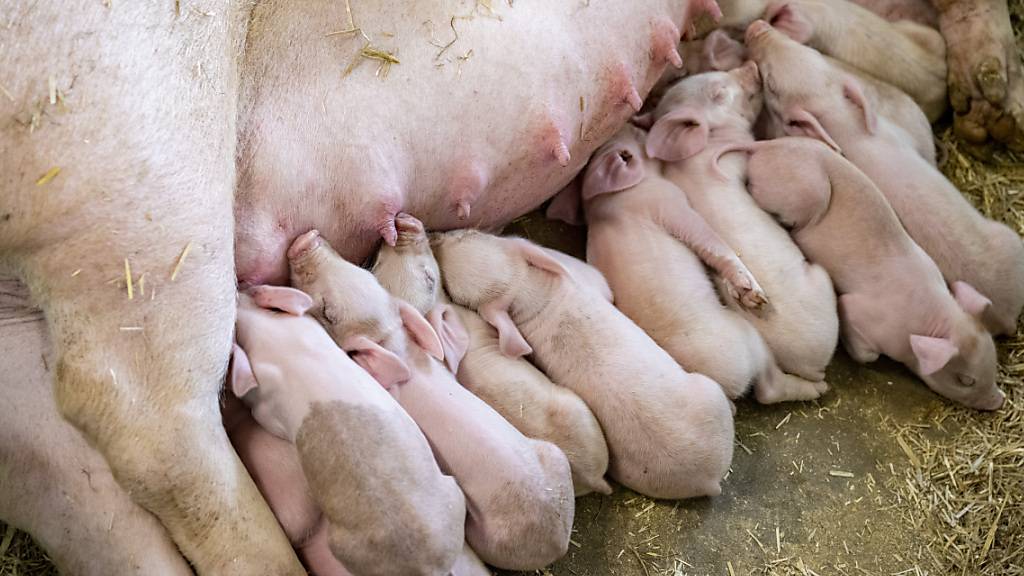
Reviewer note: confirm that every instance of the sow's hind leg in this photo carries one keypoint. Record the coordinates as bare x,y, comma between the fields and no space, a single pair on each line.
134,164
53,484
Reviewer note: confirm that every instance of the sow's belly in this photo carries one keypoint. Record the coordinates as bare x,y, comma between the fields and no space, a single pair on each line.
462,115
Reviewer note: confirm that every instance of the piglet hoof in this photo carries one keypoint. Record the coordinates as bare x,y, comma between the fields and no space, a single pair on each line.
304,244
821,388
745,290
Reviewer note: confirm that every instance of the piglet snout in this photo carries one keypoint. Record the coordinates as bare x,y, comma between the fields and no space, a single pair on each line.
756,29
304,244
994,402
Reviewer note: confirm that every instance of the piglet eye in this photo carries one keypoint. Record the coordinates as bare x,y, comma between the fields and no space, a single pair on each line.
965,380
626,156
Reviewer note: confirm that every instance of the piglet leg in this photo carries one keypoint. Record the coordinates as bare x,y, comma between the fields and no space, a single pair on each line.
693,231
510,339
777,386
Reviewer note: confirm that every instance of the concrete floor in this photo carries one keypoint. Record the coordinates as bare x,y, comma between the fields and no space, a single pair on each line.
806,493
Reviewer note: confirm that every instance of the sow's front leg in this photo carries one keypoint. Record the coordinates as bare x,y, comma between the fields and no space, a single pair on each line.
52,483
466,127
986,79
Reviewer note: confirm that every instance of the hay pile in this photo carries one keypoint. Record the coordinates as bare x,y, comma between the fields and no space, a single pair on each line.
19,556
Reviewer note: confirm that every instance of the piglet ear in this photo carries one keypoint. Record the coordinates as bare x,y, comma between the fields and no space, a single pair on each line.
453,334
283,298
243,380
384,365
643,120
535,256
972,301
614,169
854,93
800,122
722,52
748,76
789,20
565,206
678,135
932,353
420,330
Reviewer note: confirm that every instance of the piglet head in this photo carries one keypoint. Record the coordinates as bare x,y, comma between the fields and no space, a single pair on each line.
617,165
408,269
803,92
477,268
359,314
698,106
346,298
962,365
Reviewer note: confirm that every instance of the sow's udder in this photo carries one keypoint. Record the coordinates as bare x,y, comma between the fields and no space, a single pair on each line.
339,132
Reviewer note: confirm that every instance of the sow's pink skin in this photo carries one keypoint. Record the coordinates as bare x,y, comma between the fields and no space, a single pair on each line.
377,141
519,494
653,248
669,432
893,299
320,418
513,386
810,98
695,118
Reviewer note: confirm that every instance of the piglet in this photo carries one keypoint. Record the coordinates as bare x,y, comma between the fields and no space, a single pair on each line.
720,50
653,248
904,54
511,385
518,491
394,512
669,432
696,117
893,299
811,98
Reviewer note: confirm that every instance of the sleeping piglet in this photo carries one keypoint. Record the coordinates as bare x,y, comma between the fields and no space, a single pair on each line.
653,248
513,386
893,299
810,97
669,433
331,439
698,116
518,491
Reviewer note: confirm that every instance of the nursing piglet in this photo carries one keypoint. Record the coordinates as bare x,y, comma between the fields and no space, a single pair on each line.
811,98
893,299
346,448
698,116
518,491
720,50
904,54
669,433
511,385
653,248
